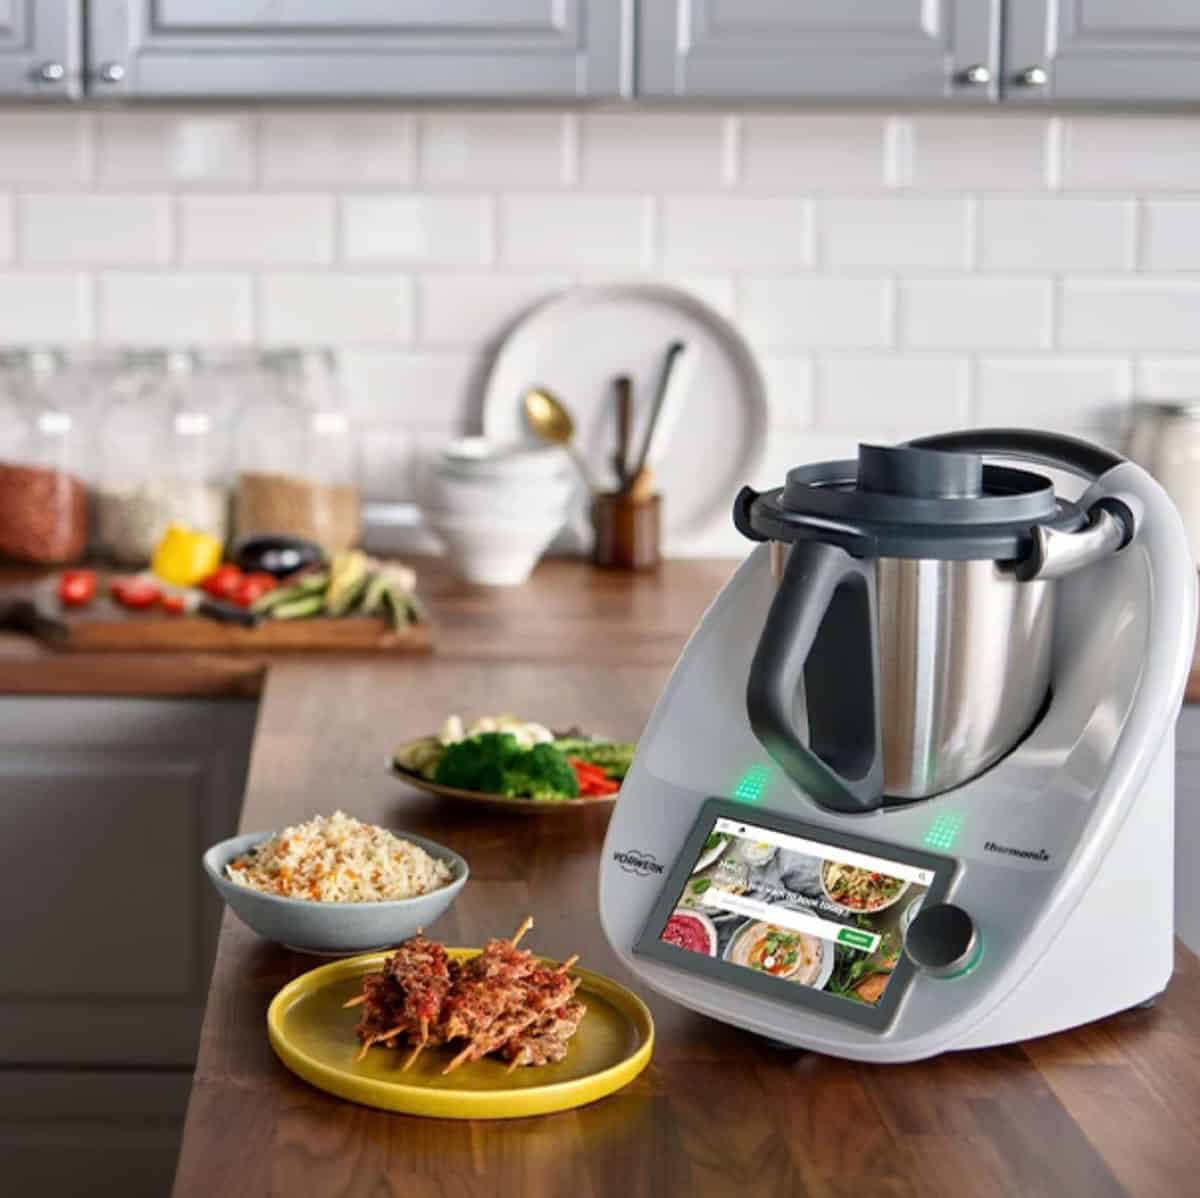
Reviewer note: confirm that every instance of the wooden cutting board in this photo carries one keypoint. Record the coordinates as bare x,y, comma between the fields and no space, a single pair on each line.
104,626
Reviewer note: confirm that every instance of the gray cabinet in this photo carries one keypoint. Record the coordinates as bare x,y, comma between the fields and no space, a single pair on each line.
110,927
801,49
394,48
41,44
1104,51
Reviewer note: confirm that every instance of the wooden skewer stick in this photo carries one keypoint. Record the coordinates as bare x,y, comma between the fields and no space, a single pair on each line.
525,926
458,1060
370,1043
416,1052
567,963
357,1000
512,1065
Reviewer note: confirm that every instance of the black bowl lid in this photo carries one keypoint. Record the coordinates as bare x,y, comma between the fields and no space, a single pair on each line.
899,501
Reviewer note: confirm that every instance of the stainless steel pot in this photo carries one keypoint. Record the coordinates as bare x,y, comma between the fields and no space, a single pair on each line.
915,609
964,667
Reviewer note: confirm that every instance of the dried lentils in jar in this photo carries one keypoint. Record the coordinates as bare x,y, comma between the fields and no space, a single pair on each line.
43,514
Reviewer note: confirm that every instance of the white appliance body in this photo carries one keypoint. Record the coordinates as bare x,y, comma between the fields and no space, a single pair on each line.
1065,848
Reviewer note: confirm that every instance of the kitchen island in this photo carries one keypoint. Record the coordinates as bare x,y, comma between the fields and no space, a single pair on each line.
1105,1110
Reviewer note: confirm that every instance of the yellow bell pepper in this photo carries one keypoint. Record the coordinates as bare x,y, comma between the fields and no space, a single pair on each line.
185,556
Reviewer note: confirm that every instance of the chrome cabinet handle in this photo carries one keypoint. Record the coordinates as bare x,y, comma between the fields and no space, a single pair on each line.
52,72
977,75
111,72
1034,77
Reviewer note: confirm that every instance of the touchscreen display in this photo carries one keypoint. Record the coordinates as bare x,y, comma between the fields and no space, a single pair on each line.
810,913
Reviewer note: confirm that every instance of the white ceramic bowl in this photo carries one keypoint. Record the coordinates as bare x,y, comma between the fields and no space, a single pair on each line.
525,499
489,550
477,457
331,928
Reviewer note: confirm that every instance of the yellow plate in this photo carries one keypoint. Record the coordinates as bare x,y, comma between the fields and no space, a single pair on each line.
314,1037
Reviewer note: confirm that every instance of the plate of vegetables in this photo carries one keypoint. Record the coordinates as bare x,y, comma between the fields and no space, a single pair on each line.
519,765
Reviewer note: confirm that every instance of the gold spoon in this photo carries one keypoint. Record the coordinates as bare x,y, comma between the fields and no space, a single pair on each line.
550,419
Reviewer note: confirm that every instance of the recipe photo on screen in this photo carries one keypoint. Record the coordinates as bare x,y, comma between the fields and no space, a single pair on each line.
828,918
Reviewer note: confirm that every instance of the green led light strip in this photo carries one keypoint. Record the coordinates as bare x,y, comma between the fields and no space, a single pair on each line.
750,786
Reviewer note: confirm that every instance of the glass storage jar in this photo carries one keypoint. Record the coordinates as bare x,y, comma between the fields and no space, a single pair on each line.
163,447
297,456
43,498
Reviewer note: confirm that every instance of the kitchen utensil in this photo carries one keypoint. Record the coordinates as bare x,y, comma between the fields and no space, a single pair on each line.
572,343
323,927
499,802
887,702
626,531
314,1037
668,400
549,418
623,390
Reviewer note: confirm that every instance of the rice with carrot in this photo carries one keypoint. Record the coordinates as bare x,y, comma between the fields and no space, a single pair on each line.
337,859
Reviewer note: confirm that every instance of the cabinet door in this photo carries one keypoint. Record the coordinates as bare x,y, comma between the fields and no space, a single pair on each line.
40,42
1102,50
106,806
419,48
820,49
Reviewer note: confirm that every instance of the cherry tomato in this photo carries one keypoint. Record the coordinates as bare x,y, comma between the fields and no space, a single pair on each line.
223,581
135,593
251,588
77,588
174,605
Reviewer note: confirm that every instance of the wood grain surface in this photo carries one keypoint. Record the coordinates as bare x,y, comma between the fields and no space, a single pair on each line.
1109,1109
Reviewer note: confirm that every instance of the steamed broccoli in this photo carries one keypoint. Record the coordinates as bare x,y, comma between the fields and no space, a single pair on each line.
479,763
495,763
541,773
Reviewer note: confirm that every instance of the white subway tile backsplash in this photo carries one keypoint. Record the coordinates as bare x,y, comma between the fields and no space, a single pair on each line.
40,147
816,313
923,393
174,309
253,229
1051,233
551,229
472,310
812,150
641,149
1168,378
1125,152
981,152
975,313
1066,394
899,232
342,147
44,307
1131,314
528,149
411,387
1171,236
199,147
300,308
789,382
894,271
64,228
737,230
424,229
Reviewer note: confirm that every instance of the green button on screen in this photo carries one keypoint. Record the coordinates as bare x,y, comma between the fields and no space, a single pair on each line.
856,939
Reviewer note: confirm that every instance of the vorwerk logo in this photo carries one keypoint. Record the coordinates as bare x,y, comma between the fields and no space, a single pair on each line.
632,861
1028,854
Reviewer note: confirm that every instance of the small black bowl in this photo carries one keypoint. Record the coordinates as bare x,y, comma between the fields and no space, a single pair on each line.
277,555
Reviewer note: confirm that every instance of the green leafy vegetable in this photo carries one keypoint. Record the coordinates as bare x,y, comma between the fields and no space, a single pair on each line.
495,763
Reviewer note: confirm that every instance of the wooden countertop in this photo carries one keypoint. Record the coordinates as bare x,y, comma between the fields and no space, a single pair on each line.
1108,1109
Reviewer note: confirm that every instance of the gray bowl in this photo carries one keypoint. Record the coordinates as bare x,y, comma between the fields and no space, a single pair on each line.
332,928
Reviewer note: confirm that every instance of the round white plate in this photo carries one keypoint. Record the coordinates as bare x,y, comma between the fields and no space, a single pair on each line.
575,344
